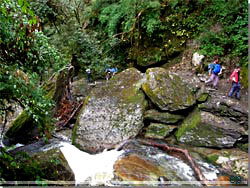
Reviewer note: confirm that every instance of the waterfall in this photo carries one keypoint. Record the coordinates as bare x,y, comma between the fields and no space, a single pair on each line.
90,169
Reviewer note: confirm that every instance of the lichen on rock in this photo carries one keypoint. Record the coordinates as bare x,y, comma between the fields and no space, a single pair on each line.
158,130
202,128
167,91
112,113
162,117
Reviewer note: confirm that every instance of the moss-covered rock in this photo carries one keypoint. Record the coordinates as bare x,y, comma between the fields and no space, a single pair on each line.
167,90
243,147
205,129
58,84
158,130
226,107
42,160
113,112
23,129
203,97
244,80
54,165
162,117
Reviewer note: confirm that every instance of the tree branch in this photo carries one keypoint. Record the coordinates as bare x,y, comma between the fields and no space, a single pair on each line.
195,168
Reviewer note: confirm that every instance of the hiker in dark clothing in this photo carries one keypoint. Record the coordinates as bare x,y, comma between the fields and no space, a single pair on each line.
214,73
88,71
235,79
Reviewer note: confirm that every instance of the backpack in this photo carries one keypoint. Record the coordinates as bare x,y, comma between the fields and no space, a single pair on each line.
210,67
216,69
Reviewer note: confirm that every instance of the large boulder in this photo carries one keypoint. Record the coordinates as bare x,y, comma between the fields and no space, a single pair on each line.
22,130
167,90
202,128
226,107
112,113
135,168
42,159
193,82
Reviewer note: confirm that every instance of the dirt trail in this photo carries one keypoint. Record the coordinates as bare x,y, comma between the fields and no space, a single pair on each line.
223,86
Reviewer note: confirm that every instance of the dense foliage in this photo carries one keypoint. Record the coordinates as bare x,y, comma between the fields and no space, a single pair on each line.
25,57
181,20
109,33
98,34
120,32
105,33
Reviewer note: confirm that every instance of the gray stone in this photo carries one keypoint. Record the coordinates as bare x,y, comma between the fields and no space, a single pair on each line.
162,117
226,107
49,159
167,90
206,129
158,130
112,113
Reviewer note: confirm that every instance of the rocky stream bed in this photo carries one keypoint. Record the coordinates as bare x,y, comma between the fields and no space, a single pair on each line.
116,117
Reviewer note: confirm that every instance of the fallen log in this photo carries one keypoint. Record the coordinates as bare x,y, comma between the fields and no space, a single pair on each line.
167,148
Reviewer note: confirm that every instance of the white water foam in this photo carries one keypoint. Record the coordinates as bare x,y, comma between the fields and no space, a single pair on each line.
90,169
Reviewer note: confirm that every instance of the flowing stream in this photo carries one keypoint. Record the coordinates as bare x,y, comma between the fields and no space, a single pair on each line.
98,169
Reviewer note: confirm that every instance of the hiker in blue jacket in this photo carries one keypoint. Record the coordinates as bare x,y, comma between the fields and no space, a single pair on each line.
214,73
110,72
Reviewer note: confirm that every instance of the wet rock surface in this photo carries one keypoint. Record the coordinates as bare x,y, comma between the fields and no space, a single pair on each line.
48,159
150,165
183,109
231,161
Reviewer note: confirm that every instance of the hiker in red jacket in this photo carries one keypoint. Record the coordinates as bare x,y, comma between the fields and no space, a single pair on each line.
235,79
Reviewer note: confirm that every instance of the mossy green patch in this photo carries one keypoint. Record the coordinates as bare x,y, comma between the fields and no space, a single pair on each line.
161,87
124,87
23,121
203,97
189,123
157,130
163,117
243,147
212,158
